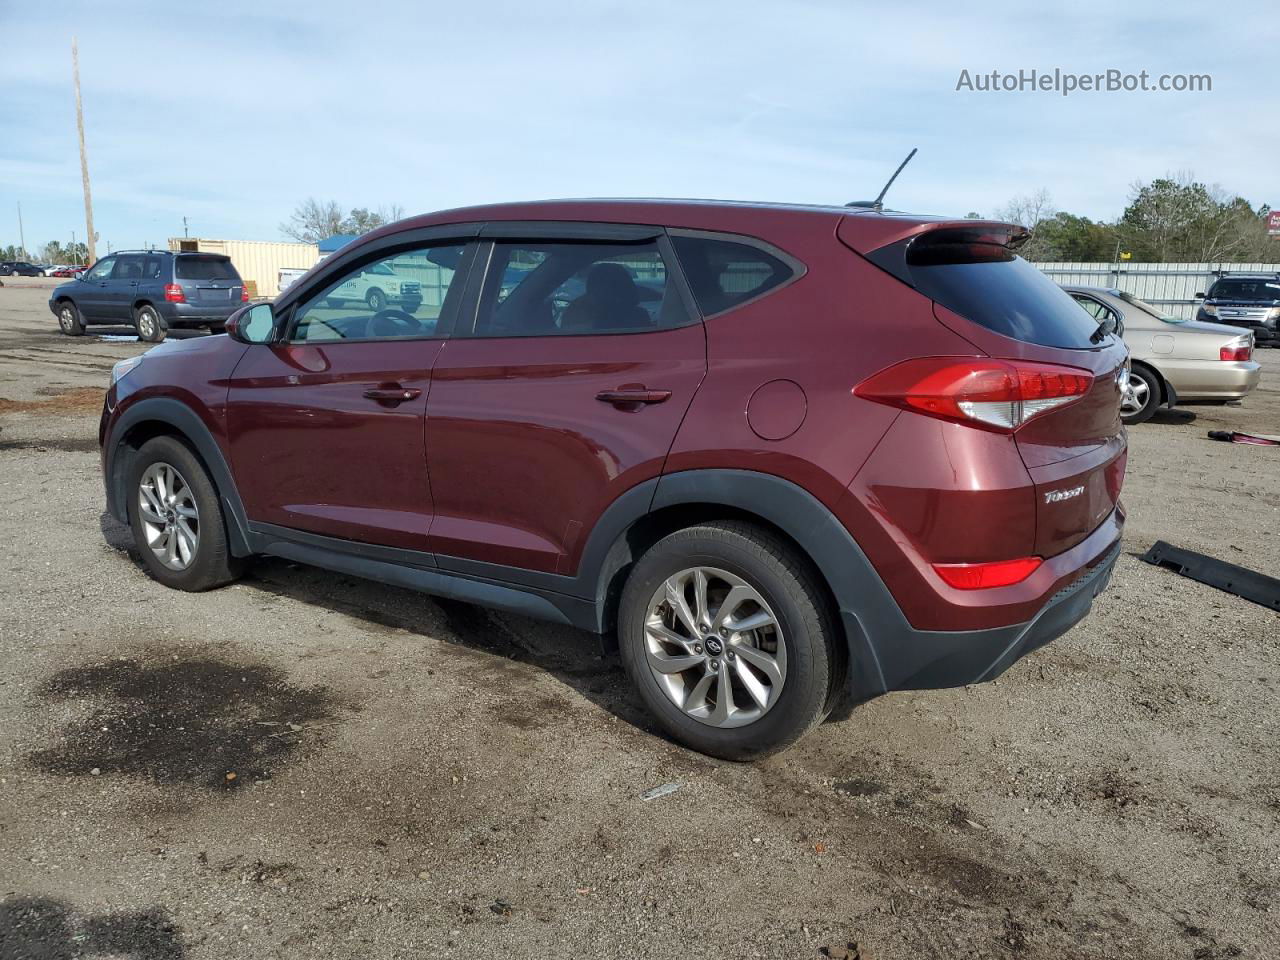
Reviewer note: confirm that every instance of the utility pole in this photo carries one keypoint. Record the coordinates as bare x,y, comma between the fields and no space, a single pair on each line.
184,227
84,158
22,240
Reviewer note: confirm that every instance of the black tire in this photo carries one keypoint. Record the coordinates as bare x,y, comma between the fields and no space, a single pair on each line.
1147,384
212,564
69,321
376,300
790,588
149,324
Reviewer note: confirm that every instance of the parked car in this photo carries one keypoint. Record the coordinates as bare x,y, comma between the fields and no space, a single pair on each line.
1174,361
1249,300
152,290
378,286
47,268
847,453
19,268
67,271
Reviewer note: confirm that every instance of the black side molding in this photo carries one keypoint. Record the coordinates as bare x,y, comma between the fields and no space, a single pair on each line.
1241,581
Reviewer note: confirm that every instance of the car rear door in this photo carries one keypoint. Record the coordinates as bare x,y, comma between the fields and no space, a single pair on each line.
326,426
564,391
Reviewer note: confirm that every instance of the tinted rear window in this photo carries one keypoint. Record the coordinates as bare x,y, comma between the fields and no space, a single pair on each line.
988,284
205,268
725,273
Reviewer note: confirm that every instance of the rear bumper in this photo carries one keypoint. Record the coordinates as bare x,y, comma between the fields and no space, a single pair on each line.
910,659
1210,379
176,314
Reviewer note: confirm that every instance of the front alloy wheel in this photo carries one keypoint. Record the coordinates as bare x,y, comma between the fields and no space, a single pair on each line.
170,516
715,647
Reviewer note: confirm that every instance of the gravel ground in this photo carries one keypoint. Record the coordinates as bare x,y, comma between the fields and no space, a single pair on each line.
307,765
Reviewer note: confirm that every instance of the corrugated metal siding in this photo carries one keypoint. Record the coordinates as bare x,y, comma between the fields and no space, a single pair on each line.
258,261
1170,286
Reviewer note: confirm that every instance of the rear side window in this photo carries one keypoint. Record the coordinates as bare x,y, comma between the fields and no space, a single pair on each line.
724,273
204,268
983,280
562,288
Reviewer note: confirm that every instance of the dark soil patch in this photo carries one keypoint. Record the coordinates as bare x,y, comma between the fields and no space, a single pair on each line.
194,721
64,445
34,928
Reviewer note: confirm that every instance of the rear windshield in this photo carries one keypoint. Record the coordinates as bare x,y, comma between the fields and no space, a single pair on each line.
1242,289
205,268
973,274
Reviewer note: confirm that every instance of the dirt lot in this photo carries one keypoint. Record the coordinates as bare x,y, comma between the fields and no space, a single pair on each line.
417,778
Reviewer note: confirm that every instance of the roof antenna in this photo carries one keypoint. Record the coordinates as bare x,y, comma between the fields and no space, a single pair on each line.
878,203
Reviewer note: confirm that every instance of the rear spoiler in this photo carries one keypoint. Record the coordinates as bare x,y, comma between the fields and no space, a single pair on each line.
930,243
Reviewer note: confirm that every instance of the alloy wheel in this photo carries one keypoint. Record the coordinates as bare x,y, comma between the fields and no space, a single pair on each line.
146,324
65,319
715,647
1135,396
170,517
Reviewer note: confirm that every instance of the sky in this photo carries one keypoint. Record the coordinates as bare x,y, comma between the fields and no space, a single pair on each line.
230,114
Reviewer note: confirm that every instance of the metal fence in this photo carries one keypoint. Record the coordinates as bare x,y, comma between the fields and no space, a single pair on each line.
1170,286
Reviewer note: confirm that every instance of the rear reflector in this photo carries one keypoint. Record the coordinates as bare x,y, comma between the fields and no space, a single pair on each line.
993,394
980,576
1236,350
173,293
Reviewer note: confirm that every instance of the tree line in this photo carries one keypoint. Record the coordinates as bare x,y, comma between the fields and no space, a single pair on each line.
1174,219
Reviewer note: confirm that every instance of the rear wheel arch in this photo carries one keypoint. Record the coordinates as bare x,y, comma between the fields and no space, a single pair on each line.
692,498
1159,377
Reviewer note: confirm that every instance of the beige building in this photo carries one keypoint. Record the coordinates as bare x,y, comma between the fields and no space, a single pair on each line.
258,262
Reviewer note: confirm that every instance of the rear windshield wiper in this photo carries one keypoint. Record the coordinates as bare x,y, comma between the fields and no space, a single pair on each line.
1105,328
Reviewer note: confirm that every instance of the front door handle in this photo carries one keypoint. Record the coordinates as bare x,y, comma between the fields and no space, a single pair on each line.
626,396
393,396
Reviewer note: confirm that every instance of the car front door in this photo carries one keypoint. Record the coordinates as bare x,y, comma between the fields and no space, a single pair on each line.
326,425
565,390
92,291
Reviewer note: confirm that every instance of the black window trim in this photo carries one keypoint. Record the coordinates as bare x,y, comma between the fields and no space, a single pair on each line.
553,231
297,296
1080,295
796,265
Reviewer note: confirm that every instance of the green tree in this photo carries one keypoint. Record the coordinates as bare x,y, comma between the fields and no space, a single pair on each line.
1179,219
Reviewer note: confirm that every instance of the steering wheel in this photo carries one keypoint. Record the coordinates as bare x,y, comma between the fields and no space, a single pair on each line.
394,323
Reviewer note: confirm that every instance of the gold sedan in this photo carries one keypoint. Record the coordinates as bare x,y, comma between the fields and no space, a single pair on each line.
1174,361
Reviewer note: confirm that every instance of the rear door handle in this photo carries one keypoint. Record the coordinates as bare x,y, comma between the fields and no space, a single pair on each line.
393,395
625,396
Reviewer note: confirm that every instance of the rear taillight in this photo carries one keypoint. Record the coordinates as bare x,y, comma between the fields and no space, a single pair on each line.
980,576
1241,349
173,293
244,294
993,394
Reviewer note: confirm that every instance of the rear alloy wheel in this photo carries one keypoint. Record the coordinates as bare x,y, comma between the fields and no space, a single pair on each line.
1140,398
177,519
148,324
69,319
727,636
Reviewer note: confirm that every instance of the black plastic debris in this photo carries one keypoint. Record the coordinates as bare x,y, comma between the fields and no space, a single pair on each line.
1241,581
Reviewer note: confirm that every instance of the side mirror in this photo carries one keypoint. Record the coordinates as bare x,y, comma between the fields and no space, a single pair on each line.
1199,296
255,323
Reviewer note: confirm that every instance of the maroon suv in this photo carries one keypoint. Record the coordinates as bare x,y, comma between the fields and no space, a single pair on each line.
792,456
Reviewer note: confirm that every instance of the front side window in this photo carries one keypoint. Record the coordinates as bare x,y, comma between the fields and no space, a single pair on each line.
565,289
724,273
102,269
397,297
